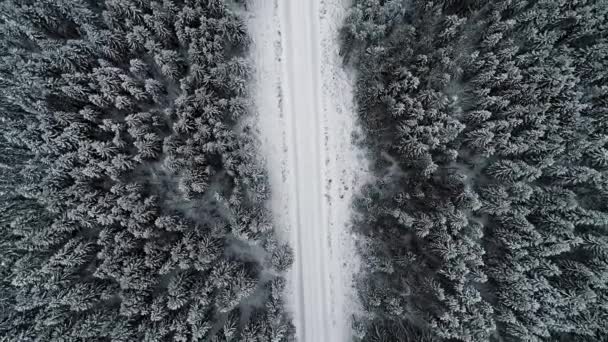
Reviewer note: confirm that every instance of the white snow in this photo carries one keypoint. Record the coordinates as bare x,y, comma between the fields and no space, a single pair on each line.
304,102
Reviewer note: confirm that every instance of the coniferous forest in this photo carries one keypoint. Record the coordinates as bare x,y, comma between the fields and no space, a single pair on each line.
132,208
488,218
134,200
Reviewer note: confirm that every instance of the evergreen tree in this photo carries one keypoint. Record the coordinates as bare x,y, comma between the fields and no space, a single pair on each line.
124,182
495,230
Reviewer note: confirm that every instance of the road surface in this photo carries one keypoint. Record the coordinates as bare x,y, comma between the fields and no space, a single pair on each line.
304,100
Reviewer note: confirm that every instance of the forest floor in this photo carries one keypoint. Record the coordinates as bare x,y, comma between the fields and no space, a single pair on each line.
306,121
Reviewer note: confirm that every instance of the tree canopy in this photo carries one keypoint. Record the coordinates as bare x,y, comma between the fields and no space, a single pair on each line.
128,177
495,114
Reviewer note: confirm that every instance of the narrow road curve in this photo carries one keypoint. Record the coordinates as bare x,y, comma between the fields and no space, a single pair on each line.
303,98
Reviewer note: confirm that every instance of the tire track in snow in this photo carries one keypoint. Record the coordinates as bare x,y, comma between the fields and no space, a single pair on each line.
306,118
299,21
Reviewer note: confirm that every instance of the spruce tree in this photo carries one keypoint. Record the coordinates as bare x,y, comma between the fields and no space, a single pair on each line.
127,181
495,228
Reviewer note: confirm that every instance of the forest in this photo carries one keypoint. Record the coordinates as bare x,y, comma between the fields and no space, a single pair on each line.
132,207
134,200
486,121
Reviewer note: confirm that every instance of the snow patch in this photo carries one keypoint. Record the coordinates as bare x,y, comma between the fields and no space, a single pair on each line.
306,122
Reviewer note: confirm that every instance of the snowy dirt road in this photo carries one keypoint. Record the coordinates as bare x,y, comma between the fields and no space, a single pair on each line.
303,98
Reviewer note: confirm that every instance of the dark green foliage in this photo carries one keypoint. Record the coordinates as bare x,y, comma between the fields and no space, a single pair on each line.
494,228
125,179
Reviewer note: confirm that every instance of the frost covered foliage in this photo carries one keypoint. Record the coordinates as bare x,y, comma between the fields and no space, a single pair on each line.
127,178
488,220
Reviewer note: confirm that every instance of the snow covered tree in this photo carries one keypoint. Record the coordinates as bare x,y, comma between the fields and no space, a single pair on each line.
493,110
118,149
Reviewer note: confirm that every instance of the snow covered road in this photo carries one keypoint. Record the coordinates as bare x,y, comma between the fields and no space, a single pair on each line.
306,121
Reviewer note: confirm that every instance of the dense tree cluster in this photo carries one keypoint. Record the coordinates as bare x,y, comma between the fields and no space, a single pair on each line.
131,207
488,220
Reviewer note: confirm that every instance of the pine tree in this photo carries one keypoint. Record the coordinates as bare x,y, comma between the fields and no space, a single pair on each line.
119,140
489,110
